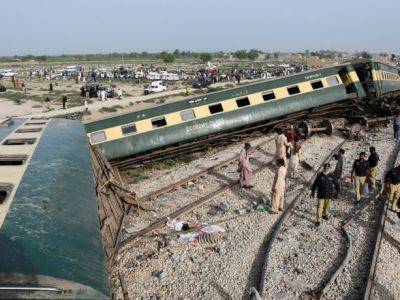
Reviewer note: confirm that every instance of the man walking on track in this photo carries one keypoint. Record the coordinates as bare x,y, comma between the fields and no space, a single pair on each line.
359,174
373,160
392,181
278,188
325,183
244,168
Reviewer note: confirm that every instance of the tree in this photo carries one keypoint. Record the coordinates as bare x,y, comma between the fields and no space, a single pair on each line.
252,54
205,57
276,55
240,54
365,54
177,53
167,57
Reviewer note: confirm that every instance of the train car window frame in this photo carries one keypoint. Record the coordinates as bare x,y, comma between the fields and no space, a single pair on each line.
98,137
35,123
215,108
158,122
12,160
268,96
5,191
187,114
293,90
128,129
242,102
19,142
29,130
317,84
332,80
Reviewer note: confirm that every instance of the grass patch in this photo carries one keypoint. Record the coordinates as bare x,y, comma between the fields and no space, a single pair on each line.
13,96
138,174
110,109
214,89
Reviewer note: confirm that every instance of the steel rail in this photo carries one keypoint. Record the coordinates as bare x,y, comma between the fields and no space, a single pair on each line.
182,181
378,243
285,215
350,242
188,208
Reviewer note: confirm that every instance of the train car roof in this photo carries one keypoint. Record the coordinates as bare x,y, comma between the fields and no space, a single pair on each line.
49,229
236,92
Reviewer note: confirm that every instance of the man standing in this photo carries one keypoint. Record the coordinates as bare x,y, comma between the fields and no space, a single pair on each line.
119,94
359,174
294,157
396,127
64,101
325,183
339,165
244,168
278,188
392,182
373,163
280,144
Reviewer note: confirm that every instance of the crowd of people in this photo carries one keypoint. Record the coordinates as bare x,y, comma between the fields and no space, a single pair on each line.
327,185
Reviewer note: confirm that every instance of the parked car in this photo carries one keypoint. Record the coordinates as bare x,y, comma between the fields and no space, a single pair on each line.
155,87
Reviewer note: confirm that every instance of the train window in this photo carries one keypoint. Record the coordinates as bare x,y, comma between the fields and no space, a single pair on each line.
215,108
332,80
39,118
268,96
293,90
12,160
128,129
35,123
12,142
187,115
317,85
158,122
98,137
26,130
5,190
242,102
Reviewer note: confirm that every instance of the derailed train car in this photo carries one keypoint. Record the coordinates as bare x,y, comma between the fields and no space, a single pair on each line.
140,131
50,241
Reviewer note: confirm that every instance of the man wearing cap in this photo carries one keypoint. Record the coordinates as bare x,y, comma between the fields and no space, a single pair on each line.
359,174
325,184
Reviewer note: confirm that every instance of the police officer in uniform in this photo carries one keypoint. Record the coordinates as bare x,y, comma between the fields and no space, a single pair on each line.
326,183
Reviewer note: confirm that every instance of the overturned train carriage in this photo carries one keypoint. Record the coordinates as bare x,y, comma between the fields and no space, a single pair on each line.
50,242
140,131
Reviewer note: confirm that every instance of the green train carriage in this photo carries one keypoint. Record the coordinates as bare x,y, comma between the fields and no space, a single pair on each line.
129,134
50,241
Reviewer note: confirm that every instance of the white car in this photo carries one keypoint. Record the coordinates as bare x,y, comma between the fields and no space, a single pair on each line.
153,76
155,87
9,73
169,76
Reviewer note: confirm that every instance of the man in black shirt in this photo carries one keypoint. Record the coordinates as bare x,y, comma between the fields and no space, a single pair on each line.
325,183
392,182
372,170
359,174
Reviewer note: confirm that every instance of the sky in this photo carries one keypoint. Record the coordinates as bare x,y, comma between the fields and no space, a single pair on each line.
52,27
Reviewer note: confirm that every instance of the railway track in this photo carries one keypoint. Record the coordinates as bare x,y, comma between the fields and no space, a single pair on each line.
227,184
378,207
197,210
333,262
259,292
